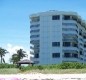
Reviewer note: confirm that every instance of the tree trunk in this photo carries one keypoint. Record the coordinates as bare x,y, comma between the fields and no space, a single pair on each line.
1,59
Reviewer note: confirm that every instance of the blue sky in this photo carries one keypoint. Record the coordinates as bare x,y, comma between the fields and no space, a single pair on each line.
14,17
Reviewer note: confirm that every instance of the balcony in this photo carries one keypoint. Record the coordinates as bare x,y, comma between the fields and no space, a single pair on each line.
69,21
34,41
35,37
70,51
71,59
36,60
70,40
70,48
34,33
73,27
84,40
84,49
35,19
70,32
34,48
66,35
32,58
32,52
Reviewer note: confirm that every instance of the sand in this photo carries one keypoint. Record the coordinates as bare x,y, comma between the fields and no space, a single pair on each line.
39,76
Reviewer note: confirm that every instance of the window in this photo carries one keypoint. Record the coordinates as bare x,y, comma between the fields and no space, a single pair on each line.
69,29
34,41
84,36
32,31
31,52
55,44
81,58
85,45
74,18
36,56
35,19
76,25
66,17
80,32
75,55
34,36
55,55
81,53
36,62
74,44
67,55
56,17
68,24
66,44
37,25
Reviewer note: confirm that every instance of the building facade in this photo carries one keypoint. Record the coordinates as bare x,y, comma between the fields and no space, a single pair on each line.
57,36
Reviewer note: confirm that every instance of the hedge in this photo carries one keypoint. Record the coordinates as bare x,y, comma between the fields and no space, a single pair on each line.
65,65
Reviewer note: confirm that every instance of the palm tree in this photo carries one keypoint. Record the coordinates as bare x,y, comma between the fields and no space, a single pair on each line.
18,56
2,53
14,58
21,54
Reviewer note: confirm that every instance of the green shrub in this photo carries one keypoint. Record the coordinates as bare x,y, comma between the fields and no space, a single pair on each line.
72,65
7,65
79,66
40,67
65,65
53,66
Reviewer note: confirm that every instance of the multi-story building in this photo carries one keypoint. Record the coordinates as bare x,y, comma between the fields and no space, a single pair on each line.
57,37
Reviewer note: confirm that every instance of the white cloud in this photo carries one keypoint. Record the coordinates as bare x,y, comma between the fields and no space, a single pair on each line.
12,49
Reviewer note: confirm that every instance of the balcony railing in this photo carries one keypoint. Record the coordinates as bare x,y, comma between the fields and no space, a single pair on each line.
70,39
70,32
71,59
71,48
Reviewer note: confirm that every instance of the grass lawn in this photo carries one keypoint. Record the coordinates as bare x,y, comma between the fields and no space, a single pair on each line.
45,71
9,71
58,71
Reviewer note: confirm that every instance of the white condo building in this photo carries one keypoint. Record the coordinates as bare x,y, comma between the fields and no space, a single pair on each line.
57,36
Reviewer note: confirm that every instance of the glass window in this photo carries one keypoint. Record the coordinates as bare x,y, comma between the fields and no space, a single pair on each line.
56,17
74,18
34,36
67,55
75,55
55,55
37,25
36,56
55,44
81,53
74,44
69,29
32,31
80,32
66,17
85,45
84,36
35,19
66,44
68,24
34,41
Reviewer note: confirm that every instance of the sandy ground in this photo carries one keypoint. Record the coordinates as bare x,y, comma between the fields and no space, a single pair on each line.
39,76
